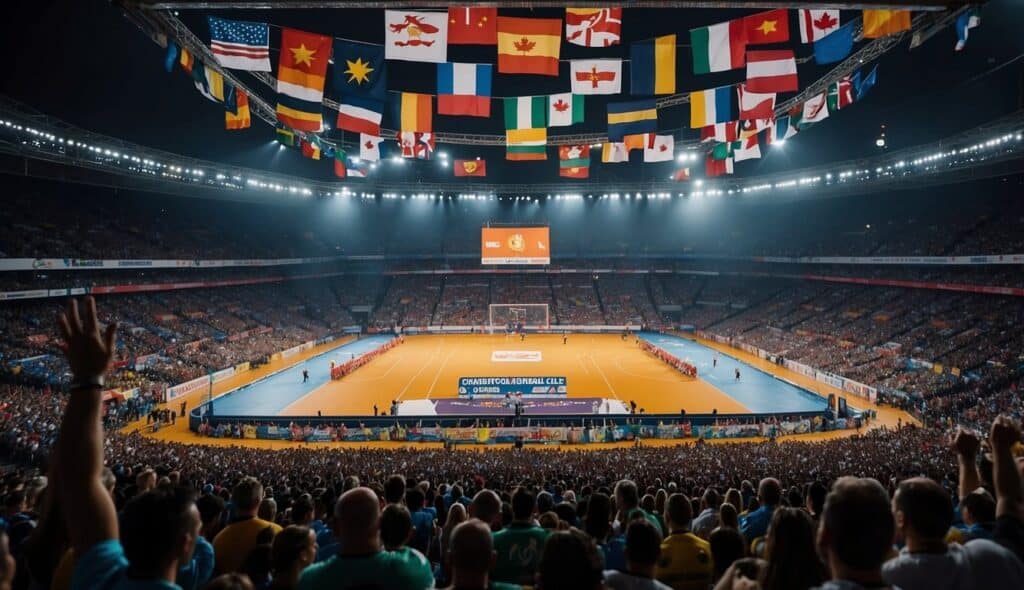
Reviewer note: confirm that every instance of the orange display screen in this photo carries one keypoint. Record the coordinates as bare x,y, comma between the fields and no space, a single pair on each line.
515,245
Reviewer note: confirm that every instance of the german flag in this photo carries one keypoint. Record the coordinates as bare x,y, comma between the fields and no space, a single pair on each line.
301,71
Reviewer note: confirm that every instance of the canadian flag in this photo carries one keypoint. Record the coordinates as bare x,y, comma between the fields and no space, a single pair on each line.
369,147
659,148
416,36
817,24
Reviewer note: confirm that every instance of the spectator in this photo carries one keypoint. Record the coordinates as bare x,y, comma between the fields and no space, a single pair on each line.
519,545
596,524
230,582
235,541
395,527
570,561
685,562
855,534
361,562
707,520
422,521
755,524
978,512
486,506
727,517
643,545
394,489
472,558
791,561
627,501
727,547
456,515
294,550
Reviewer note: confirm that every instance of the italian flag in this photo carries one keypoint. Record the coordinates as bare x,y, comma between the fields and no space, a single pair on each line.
719,48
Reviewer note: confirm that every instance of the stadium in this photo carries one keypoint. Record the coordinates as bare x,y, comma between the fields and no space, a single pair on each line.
683,295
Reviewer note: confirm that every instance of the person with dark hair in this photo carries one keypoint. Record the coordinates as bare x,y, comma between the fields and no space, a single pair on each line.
422,521
570,561
211,512
643,546
519,545
727,546
815,500
394,489
361,562
627,500
727,517
755,524
855,534
597,525
924,514
978,512
395,527
158,529
685,562
486,506
230,582
237,539
791,561
707,519
257,565
471,558
293,550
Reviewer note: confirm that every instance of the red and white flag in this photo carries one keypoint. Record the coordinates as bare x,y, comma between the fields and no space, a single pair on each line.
593,27
369,147
815,109
659,148
772,71
415,144
720,132
817,24
748,149
681,174
416,36
596,76
472,26
755,105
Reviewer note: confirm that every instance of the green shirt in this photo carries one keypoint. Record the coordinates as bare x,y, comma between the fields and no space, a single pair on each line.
518,547
405,569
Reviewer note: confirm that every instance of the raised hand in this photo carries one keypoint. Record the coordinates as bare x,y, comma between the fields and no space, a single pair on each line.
88,351
965,443
1005,432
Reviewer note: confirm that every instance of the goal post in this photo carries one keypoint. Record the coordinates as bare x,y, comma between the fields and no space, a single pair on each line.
502,316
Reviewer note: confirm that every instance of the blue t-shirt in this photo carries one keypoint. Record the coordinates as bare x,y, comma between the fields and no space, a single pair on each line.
196,573
104,567
755,524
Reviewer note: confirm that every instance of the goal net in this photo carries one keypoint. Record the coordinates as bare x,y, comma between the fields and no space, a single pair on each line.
503,317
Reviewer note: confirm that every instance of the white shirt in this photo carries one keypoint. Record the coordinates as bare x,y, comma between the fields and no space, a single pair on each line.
979,564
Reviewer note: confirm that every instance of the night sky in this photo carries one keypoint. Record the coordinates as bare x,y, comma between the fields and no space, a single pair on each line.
85,63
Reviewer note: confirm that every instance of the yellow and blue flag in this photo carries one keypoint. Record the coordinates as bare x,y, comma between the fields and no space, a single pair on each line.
631,118
652,66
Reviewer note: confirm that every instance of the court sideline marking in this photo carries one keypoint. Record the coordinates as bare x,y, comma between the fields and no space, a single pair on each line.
605,377
437,351
438,375
398,359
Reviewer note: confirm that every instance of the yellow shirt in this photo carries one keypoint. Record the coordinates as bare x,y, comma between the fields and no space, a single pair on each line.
232,545
685,562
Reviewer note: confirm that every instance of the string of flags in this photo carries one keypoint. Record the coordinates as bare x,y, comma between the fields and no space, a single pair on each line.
732,116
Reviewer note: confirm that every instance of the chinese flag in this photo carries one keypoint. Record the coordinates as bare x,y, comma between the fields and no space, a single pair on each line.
767,27
470,168
472,26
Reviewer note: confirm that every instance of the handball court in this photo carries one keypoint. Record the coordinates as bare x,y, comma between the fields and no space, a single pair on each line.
429,366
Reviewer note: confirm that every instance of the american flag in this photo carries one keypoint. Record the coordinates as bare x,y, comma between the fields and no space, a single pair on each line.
240,45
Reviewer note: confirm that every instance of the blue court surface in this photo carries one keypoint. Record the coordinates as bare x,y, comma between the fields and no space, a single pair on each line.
270,395
756,389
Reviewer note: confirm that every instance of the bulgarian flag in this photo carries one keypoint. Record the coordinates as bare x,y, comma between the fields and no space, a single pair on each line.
719,48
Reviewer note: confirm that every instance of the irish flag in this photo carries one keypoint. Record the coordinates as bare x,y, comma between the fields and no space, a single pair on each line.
719,48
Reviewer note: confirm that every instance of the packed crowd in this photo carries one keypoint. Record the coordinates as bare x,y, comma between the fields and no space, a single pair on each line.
906,508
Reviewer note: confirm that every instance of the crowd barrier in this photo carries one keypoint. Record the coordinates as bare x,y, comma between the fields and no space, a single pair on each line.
481,431
670,359
339,371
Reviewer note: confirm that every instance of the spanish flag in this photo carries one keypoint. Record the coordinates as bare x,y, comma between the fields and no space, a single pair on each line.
415,112
879,23
300,79
240,118
529,45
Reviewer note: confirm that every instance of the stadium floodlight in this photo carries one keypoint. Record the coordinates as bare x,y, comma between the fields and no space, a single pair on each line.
444,163
698,182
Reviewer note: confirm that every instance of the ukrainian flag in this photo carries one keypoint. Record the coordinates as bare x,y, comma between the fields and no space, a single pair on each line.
631,118
652,66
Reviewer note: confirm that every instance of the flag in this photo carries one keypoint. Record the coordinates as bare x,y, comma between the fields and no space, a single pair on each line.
781,131
723,132
836,46
652,66
286,137
628,118
526,144
357,170
840,94
817,24
593,27
240,45
475,167
879,23
752,127
722,151
416,36
472,26
815,110
614,152
596,76
241,117
755,105
574,161
526,112
747,149
861,87
529,45
967,20
172,55
209,82
681,175
300,79
309,149
659,148
713,167
564,109
638,141
360,115
359,70
464,89
708,107
340,168
415,112
415,144
718,48
186,60
772,71
767,27
369,147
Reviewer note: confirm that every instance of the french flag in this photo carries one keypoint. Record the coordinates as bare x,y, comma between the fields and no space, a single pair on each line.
464,89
